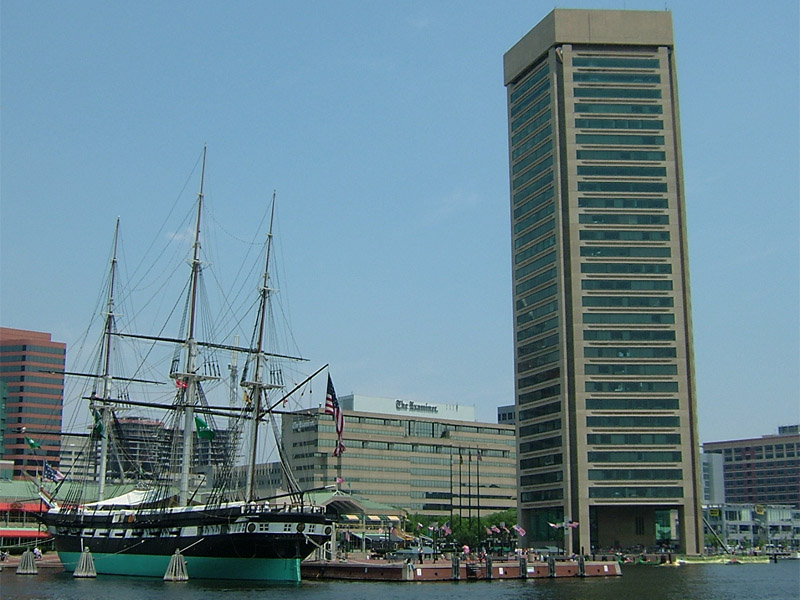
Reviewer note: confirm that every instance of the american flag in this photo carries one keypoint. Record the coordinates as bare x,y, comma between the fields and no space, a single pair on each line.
52,473
332,408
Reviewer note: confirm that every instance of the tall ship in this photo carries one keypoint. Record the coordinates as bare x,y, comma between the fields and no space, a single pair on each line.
222,529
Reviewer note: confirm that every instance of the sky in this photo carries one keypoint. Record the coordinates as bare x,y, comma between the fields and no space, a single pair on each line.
382,128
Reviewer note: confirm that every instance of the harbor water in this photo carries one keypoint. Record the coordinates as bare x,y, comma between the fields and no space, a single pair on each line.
779,581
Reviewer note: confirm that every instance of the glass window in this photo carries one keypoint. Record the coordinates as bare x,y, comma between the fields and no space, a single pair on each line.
533,203
630,318
536,395
535,170
536,281
619,335
537,428
628,301
535,249
542,495
603,92
625,369
621,186
541,461
535,265
533,234
633,439
619,123
621,155
531,112
534,218
629,421
534,78
632,404
624,235
622,109
539,311
634,457
532,158
518,107
537,329
614,63
527,192
536,297
626,284
628,352
543,444
538,361
621,171
540,411
627,251
520,150
541,478
619,139
648,268
634,474
606,77
631,386
532,126
635,492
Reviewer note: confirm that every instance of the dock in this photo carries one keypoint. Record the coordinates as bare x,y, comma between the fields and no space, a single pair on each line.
456,570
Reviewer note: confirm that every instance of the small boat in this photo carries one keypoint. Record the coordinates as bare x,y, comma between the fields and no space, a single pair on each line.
232,534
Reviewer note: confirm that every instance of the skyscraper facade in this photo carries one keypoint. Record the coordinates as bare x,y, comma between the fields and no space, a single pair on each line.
32,367
605,398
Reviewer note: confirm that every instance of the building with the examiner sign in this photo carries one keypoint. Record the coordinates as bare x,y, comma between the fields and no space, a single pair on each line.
423,457
396,406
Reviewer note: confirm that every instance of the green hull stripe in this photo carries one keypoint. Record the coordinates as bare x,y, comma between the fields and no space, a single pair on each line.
198,567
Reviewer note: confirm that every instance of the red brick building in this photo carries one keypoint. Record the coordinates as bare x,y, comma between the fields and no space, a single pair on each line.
32,367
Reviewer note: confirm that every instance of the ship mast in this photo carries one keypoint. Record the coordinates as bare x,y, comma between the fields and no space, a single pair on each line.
257,385
107,378
188,380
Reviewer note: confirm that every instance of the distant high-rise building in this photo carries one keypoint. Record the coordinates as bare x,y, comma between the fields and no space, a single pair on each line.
32,367
763,470
605,397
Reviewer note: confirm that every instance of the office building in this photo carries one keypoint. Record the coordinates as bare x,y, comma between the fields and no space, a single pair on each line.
743,527
32,367
425,458
763,470
606,406
713,478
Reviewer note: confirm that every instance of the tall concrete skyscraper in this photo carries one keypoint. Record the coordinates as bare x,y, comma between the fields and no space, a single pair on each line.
605,393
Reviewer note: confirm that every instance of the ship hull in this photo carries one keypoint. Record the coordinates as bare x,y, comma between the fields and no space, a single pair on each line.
236,542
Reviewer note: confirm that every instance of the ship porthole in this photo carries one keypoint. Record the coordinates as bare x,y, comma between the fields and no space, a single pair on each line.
251,527
328,530
301,527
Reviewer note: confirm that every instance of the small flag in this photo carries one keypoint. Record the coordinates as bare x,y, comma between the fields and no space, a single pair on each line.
488,531
519,530
495,529
554,525
446,529
572,524
204,432
181,384
419,525
339,480
53,473
32,443
480,456
99,429
332,407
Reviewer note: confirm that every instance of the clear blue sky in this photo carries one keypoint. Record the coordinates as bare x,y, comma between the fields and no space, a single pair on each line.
382,125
